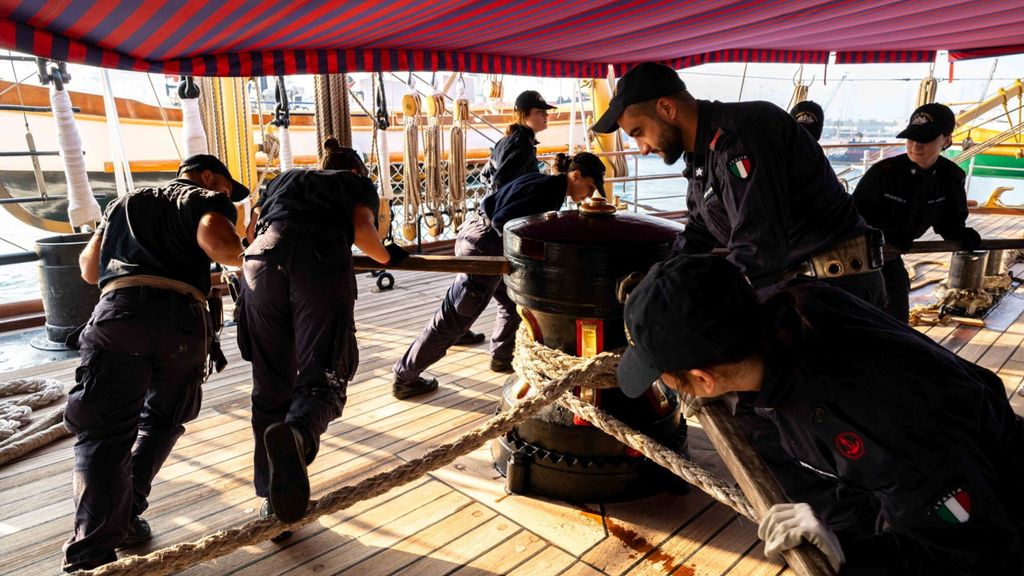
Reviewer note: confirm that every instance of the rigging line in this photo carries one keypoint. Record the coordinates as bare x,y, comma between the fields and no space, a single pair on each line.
18,86
15,245
474,114
163,114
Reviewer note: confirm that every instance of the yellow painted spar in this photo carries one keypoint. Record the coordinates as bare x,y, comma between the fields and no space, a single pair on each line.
234,127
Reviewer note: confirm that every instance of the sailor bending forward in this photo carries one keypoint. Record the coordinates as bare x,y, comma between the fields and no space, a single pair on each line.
144,350
858,399
469,294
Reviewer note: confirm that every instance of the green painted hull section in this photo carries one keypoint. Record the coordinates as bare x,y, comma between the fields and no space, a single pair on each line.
994,166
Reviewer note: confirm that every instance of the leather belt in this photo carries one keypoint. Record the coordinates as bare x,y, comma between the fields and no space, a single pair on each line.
858,255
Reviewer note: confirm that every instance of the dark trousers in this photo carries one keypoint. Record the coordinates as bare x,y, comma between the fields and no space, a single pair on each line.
870,287
296,327
897,288
466,299
143,365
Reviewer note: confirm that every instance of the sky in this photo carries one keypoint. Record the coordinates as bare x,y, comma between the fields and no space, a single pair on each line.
869,91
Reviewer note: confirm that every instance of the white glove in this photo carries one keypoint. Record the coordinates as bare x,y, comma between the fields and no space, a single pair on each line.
787,524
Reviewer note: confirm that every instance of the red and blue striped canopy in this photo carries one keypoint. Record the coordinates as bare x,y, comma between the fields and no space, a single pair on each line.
529,37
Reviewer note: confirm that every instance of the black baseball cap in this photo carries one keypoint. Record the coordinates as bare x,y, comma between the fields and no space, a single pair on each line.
929,122
213,164
809,115
693,311
530,100
645,82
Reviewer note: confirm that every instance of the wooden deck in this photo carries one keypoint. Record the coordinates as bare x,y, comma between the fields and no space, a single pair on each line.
457,520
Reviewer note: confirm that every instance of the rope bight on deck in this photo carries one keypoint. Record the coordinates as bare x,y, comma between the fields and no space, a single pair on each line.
554,373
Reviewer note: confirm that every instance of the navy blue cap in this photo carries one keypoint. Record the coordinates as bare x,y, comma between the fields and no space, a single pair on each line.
644,82
809,115
693,311
530,100
929,122
213,164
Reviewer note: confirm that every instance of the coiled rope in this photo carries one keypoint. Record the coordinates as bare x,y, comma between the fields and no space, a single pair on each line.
539,360
411,169
434,182
457,163
15,413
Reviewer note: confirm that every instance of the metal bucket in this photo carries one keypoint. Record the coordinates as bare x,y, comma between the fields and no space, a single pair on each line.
67,299
994,266
967,270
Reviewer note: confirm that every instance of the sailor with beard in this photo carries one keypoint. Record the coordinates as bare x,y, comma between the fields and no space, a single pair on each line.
759,185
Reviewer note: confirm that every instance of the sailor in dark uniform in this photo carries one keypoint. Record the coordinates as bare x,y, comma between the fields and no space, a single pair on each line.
907,194
810,116
759,185
144,351
516,153
861,401
578,177
296,322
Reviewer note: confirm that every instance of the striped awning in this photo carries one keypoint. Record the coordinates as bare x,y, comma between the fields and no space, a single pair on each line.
529,37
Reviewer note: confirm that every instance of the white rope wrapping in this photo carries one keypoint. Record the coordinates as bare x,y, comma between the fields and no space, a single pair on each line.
82,206
287,161
383,166
14,413
192,128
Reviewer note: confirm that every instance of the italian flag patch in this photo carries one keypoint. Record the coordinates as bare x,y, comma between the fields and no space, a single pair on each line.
741,167
954,507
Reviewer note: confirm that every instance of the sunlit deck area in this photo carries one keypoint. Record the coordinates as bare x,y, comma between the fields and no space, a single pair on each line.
455,521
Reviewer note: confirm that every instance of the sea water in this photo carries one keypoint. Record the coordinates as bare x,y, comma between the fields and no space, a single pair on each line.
20,281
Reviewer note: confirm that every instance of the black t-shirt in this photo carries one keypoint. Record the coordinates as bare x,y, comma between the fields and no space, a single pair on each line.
526,195
324,198
152,231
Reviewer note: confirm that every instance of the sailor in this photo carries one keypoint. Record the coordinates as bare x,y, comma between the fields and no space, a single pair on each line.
516,153
144,350
860,401
810,116
758,184
578,176
296,323
906,194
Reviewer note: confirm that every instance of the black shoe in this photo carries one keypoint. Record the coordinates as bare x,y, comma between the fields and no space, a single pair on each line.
470,338
138,533
266,511
502,366
403,388
289,483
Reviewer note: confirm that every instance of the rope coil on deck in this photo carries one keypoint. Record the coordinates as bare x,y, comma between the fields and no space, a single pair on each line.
14,413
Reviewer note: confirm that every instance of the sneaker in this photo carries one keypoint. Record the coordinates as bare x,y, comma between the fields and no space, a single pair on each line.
403,388
138,533
289,483
470,338
266,511
502,366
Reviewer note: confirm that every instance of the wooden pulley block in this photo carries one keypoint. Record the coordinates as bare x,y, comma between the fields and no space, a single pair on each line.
384,219
435,106
435,224
409,231
411,105
461,111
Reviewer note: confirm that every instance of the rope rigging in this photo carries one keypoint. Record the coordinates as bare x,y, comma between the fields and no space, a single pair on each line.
411,170
434,192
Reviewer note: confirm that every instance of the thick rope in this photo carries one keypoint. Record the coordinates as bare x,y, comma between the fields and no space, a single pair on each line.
411,178
434,182
14,413
181,556
457,164
537,363
34,437
662,455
